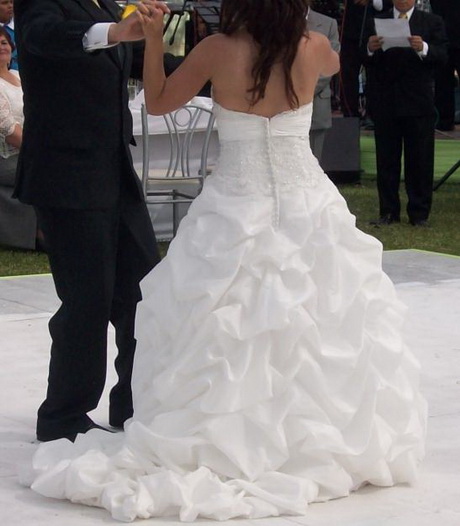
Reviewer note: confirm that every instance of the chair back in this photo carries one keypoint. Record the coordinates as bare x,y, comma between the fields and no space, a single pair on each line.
189,132
175,159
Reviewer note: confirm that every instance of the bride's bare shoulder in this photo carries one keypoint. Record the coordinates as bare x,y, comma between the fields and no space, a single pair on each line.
220,49
316,49
315,39
217,42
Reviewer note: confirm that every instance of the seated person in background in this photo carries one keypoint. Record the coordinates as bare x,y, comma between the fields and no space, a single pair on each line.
18,223
7,21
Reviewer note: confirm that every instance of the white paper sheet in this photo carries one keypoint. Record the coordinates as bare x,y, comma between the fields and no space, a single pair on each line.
395,32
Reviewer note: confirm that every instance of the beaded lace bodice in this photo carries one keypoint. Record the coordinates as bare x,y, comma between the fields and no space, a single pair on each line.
261,155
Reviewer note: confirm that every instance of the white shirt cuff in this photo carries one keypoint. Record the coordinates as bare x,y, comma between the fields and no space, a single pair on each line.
377,4
97,37
424,51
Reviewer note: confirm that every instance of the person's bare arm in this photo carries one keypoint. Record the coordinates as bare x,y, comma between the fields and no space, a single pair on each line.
329,62
164,94
15,138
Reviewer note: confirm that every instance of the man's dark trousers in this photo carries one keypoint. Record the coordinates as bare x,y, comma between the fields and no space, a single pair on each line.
96,274
417,135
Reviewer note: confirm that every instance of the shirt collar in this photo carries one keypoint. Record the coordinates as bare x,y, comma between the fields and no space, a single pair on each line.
9,24
408,13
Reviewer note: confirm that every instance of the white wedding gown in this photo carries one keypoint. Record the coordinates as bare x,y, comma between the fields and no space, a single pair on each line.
270,370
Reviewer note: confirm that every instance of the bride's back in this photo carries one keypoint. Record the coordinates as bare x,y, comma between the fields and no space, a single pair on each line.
233,78
262,62
269,63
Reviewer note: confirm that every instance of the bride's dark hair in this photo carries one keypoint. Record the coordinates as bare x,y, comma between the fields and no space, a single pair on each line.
277,27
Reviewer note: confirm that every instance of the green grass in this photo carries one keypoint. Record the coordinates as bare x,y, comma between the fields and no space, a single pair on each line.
443,236
22,262
15,262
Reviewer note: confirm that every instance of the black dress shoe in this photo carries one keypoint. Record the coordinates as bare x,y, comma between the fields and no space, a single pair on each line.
385,220
422,223
118,414
48,437
117,426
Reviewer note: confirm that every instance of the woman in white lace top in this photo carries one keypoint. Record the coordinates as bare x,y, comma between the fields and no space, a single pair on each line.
18,223
11,114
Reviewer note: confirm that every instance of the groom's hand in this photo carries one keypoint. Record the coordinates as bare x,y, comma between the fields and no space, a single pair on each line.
153,7
151,13
127,30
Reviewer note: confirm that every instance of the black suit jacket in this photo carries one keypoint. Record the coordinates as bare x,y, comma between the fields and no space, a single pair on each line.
398,80
356,17
78,125
450,13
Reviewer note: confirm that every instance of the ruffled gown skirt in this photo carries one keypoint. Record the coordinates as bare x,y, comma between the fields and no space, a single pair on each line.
270,370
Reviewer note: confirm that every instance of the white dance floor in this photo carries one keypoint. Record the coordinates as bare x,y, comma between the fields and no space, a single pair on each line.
430,286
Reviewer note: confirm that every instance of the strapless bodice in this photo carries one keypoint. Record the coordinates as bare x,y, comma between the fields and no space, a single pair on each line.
237,125
262,155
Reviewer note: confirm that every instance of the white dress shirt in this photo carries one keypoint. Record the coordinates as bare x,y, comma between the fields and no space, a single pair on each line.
97,37
396,14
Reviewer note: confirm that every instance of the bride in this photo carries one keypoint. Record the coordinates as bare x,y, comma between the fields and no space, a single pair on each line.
270,370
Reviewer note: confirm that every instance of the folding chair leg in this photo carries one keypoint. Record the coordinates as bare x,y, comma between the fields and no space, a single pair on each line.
175,214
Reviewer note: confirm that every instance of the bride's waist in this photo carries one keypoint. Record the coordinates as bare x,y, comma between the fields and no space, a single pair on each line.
249,167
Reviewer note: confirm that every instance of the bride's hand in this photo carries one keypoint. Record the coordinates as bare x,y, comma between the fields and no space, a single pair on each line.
151,14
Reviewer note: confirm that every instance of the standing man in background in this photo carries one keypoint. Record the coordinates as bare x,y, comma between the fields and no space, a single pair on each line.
7,21
446,81
75,168
322,113
401,104
356,17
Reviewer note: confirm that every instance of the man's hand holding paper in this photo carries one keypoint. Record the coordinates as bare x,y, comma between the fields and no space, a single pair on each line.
416,43
393,33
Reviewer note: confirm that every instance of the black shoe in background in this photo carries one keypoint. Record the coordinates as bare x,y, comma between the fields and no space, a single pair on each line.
422,223
385,220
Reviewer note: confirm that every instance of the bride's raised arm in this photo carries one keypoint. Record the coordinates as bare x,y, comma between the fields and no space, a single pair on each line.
164,94
327,60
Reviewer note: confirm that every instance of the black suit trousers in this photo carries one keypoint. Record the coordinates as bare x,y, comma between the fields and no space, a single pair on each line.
97,259
414,135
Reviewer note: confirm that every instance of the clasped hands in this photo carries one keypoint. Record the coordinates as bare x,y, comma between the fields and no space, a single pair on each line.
375,43
151,14
146,20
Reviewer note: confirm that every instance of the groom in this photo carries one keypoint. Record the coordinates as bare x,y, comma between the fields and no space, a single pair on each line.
75,168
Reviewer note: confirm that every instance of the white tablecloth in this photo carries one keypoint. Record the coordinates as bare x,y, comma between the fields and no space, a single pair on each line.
156,122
